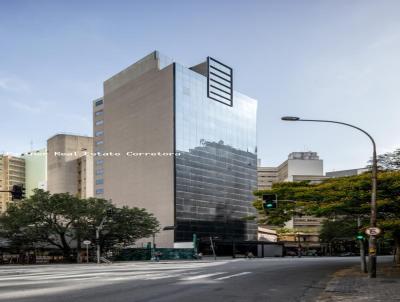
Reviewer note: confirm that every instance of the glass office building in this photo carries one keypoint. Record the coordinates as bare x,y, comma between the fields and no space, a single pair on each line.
215,172
159,106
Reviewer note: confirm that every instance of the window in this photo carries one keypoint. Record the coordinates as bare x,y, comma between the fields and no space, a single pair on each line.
99,143
99,191
99,172
98,113
98,133
99,161
100,122
99,181
99,102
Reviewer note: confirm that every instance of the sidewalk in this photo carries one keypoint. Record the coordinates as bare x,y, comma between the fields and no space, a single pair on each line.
352,285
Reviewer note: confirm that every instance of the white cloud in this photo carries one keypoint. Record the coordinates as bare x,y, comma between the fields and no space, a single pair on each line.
26,107
13,84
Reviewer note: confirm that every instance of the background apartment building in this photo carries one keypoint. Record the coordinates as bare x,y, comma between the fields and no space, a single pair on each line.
70,165
157,106
12,172
344,173
35,170
299,166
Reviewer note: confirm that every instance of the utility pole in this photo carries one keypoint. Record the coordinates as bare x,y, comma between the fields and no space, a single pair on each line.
153,250
299,251
98,229
212,247
372,238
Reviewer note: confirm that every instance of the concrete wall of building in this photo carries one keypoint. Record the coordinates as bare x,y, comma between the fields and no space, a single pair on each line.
129,74
138,118
344,173
304,167
85,176
88,180
270,250
35,170
266,177
267,234
62,164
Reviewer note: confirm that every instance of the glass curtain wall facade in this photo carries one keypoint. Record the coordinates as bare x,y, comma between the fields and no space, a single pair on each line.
216,171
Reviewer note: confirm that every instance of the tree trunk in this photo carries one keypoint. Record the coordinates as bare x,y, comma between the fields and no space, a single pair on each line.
66,248
78,248
362,256
397,251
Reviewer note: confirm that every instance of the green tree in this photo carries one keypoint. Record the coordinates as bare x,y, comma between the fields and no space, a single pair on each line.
345,197
341,228
388,161
59,220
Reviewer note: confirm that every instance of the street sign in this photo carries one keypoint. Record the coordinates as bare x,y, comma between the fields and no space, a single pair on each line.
87,243
373,231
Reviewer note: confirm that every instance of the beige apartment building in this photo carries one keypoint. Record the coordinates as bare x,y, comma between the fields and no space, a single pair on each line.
12,172
70,165
136,115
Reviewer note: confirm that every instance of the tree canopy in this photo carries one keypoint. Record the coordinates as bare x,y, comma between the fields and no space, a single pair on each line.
388,161
338,197
62,221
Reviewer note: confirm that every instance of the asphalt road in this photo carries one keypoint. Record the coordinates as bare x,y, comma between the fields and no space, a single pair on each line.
277,279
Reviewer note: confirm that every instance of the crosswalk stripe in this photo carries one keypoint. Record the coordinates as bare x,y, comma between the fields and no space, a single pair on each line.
63,278
231,276
201,276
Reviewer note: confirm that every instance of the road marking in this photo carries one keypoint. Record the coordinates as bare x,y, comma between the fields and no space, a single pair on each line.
201,276
235,275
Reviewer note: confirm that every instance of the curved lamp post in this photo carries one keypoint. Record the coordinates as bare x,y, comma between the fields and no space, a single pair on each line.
372,239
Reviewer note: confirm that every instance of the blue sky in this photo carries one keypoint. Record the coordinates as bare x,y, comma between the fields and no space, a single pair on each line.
316,59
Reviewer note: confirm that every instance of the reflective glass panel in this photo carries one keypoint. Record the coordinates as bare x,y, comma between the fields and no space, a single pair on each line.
216,171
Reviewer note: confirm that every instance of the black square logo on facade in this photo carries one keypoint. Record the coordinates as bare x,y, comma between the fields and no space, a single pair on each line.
219,82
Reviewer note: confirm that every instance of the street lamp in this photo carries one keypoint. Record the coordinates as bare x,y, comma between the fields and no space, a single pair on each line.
372,238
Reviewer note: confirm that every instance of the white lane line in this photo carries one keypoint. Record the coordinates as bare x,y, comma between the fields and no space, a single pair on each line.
201,276
53,277
235,275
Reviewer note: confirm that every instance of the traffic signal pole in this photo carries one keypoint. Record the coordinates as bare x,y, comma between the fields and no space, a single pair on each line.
362,249
98,229
17,192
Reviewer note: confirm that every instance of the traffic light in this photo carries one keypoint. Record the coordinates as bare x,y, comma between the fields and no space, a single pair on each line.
360,236
17,192
110,212
270,201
